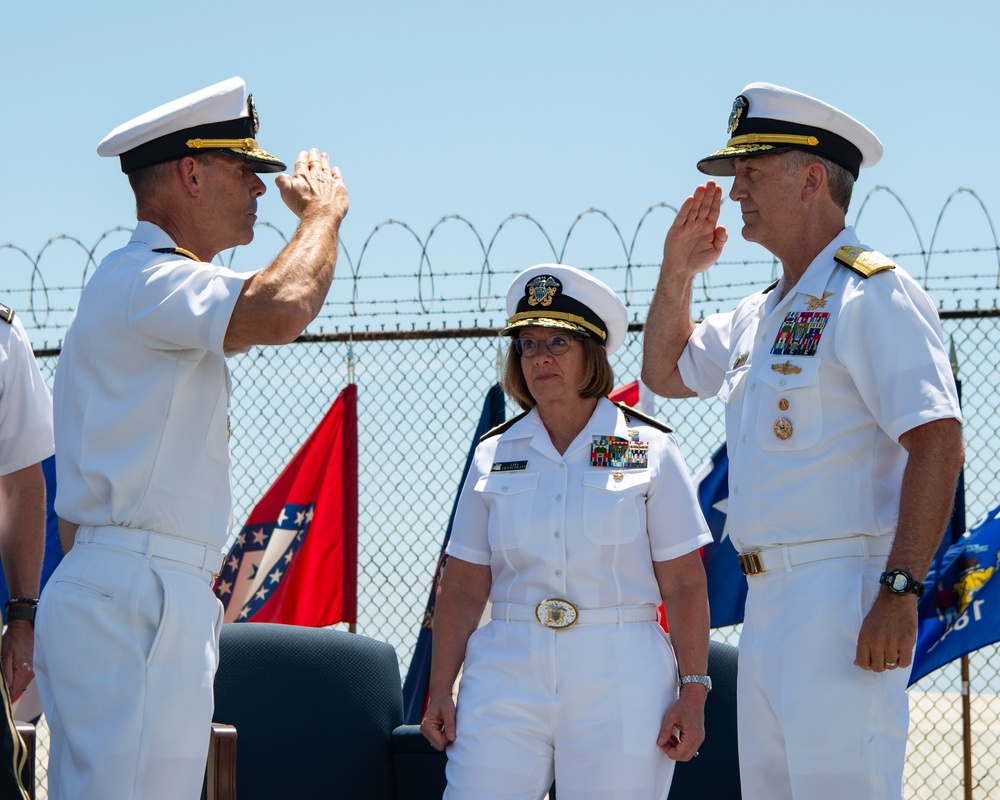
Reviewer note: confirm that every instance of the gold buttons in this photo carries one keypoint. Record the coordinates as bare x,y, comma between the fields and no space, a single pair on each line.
783,404
619,476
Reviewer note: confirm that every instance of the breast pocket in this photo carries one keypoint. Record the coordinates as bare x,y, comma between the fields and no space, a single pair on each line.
614,510
790,415
509,497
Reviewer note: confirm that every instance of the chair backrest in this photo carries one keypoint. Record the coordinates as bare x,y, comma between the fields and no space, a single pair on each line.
314,709
715,773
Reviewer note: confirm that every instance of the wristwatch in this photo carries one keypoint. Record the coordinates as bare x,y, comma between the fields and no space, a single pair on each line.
704,680
22,608
899,581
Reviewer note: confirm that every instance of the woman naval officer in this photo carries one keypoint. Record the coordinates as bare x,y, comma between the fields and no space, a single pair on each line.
577,519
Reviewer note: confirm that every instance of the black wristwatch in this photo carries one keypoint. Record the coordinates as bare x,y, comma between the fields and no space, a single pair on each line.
22,608
899,581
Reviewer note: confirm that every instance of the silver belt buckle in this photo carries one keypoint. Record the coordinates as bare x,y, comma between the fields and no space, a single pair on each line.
556,613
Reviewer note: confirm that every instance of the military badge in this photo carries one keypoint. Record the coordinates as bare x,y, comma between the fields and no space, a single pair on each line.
818,302
541,289
618,453
739,104
252,113
788,368
800,333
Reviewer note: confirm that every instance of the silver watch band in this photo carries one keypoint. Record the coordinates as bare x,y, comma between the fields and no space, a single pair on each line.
704,680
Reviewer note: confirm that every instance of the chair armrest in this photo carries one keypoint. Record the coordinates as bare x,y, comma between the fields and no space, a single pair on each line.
220,773
418,767
27,733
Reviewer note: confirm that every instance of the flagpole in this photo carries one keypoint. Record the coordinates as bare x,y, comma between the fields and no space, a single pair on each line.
966,698
966,728
352,627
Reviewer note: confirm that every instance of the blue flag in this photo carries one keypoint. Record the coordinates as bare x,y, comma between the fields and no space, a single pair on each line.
727,586
419,675
960,609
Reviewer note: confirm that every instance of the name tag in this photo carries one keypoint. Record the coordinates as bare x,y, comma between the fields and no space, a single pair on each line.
509,466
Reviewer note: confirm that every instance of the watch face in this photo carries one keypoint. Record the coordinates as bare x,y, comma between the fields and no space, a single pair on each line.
899,583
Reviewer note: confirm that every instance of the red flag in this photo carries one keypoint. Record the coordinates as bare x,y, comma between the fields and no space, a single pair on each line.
296,559
635,394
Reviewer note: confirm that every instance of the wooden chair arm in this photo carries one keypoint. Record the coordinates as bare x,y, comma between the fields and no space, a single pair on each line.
220,775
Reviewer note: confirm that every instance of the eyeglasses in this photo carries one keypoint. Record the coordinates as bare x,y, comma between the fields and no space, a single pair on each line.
557,344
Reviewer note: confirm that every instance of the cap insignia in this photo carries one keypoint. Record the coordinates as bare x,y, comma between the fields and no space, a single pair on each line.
734,116
252,113
541,289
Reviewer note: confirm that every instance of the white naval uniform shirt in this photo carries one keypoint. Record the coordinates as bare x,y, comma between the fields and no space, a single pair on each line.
867,366
142,395
25,404
552,525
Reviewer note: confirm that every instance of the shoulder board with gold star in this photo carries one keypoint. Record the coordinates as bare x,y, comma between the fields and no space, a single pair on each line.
864,262
503,426
771,287
6,313
653,422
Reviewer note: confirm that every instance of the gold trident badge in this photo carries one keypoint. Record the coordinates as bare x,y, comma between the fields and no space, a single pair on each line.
818,302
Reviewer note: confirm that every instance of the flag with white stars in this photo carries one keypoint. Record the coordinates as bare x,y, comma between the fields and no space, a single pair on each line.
295,559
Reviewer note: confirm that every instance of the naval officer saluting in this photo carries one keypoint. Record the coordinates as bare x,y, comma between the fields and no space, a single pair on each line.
844,437
128,625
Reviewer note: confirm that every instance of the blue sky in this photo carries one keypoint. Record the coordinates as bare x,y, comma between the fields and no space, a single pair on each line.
486,109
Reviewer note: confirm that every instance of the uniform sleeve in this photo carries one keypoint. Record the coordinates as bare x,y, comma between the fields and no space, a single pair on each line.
25,405
183,304
470,529
704,362
674,520
890,340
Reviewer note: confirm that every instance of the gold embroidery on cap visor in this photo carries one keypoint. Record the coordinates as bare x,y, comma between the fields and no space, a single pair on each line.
761,143
247,147
560,318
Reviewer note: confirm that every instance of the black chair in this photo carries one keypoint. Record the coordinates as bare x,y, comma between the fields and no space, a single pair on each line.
715,773
317,713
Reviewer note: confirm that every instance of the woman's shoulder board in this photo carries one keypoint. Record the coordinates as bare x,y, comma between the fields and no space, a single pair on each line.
653,422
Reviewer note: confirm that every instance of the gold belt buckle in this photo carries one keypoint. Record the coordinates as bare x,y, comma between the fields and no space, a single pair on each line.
750,563
556,613
222,565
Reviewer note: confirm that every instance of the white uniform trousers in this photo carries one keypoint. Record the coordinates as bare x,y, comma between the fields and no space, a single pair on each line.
125,655
583,704
812,725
